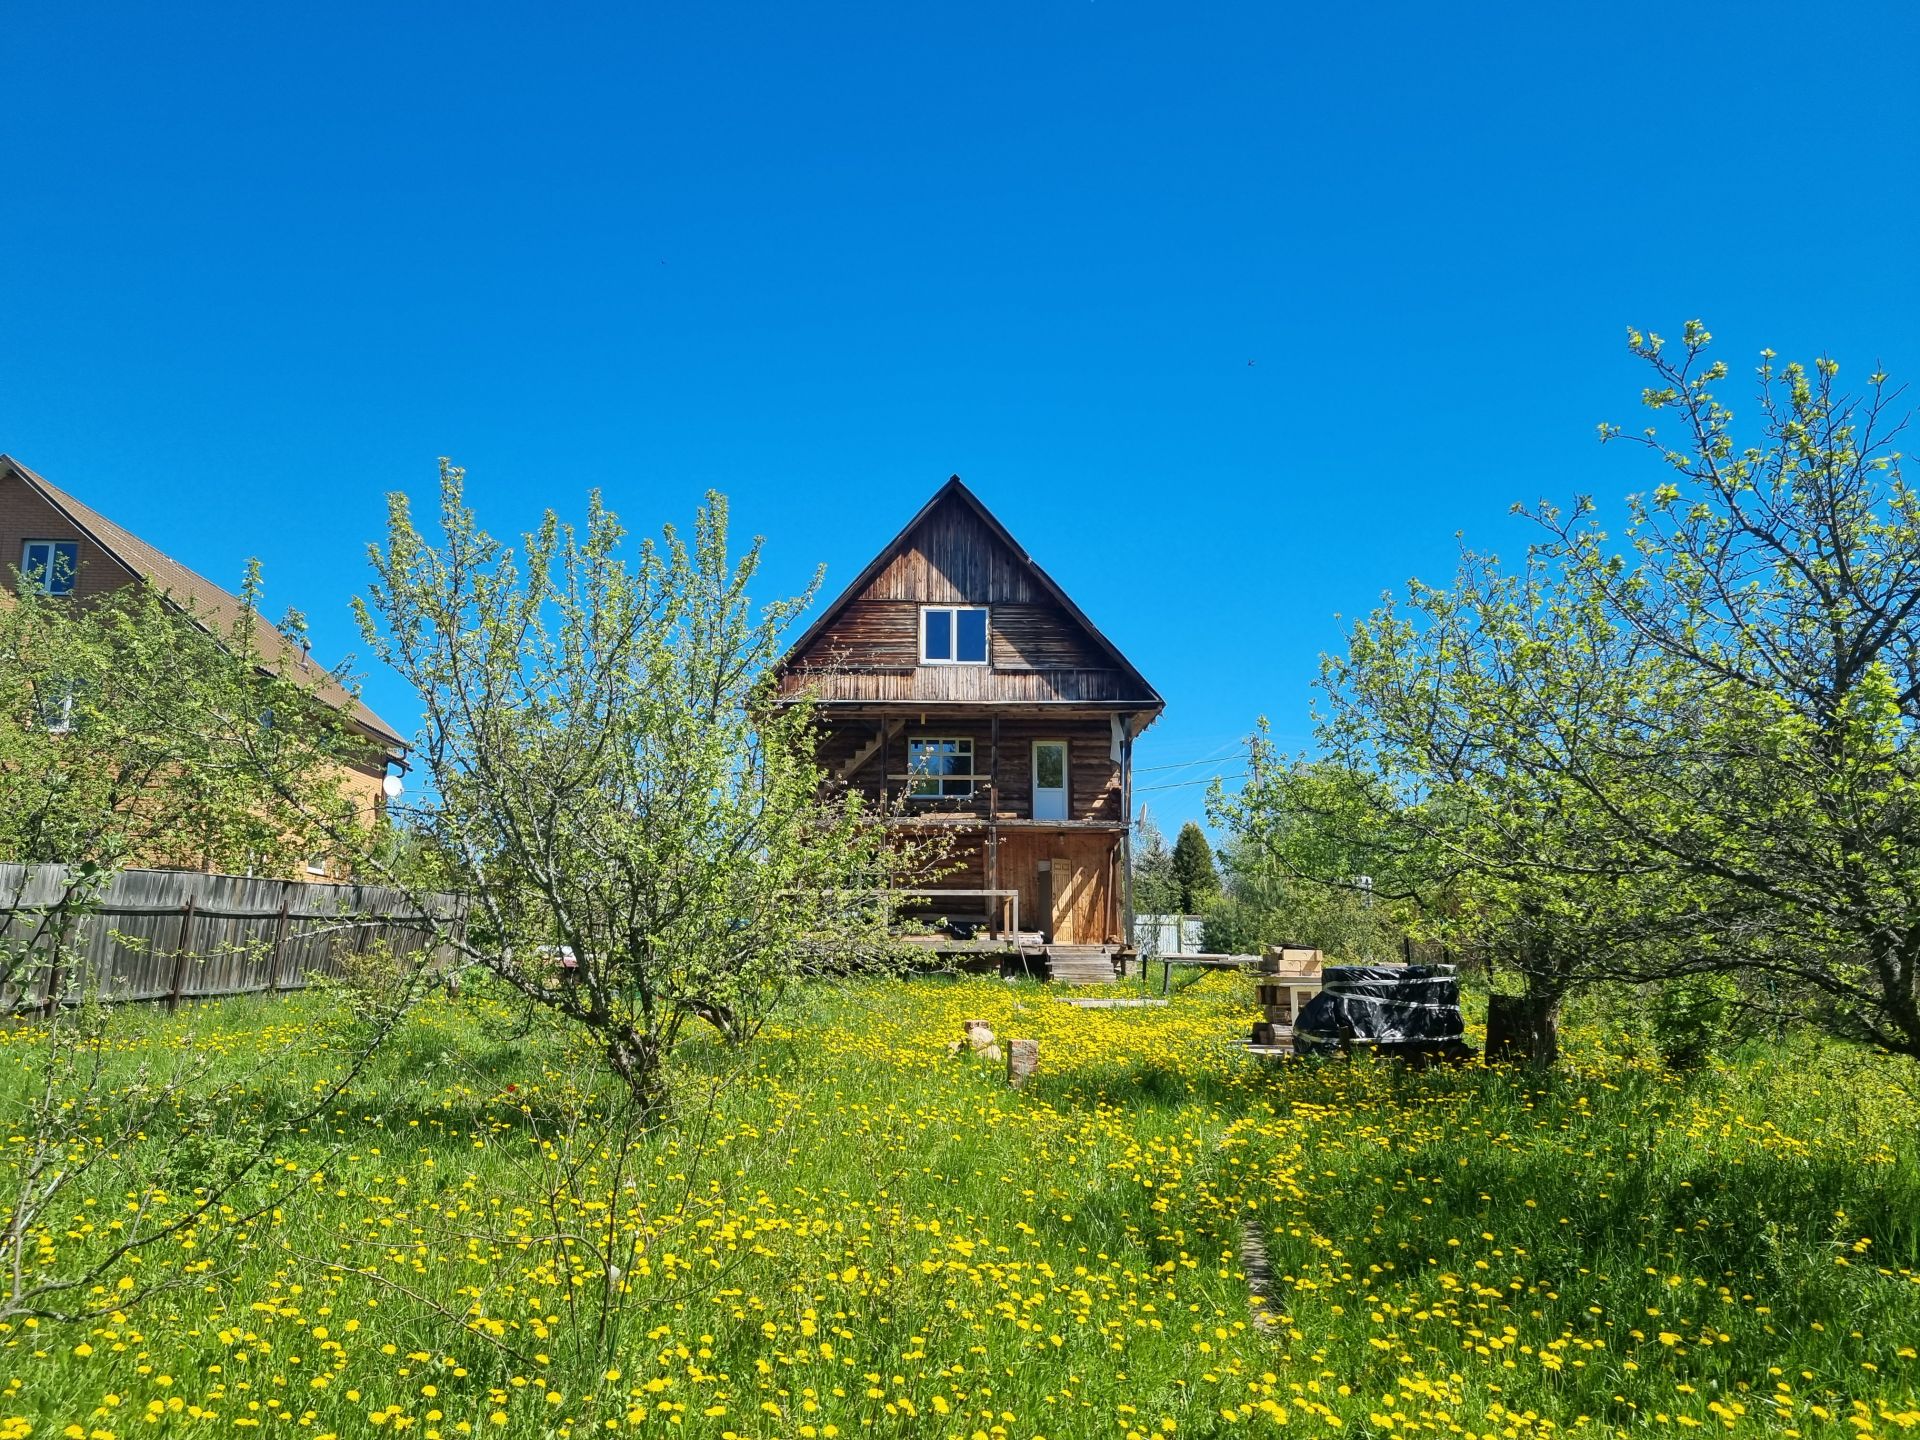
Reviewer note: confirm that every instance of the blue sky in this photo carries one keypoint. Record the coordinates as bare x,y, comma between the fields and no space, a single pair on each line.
1235,315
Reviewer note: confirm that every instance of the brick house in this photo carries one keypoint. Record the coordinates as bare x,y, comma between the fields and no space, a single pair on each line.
52,540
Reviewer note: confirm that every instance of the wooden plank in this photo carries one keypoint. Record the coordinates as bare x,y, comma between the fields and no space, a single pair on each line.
133,940
183,951
280,941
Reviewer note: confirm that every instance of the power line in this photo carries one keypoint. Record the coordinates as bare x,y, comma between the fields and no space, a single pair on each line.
1183,784
1220,754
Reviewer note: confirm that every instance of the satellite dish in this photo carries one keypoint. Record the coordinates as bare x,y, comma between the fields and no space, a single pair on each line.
391,787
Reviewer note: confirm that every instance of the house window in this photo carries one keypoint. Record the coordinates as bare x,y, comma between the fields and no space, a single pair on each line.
953,635
49,566
940,769
54,702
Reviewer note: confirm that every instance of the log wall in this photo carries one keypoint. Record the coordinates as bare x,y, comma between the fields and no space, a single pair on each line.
1093,775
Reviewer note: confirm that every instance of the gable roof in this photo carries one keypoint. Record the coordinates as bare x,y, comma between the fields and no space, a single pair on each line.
956,490
210,605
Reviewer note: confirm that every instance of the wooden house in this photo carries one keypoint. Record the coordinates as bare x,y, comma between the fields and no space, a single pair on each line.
959,686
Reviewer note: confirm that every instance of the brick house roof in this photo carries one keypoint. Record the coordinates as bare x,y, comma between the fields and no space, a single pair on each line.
207,602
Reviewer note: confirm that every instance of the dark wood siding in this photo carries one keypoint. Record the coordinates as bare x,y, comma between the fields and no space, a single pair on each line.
944,683
1093,776
1043,659
1041,637
1037,651
952,559
866,634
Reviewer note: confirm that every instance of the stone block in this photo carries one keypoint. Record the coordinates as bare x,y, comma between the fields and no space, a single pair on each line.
1023,1058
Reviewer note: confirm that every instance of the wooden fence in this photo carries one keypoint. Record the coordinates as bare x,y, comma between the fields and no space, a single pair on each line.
173,935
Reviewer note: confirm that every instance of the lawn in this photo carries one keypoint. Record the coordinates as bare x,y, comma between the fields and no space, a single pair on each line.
852,1231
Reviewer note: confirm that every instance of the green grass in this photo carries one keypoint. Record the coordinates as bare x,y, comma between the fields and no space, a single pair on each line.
864,1234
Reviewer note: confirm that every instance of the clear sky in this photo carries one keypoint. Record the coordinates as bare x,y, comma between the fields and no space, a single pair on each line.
1235,315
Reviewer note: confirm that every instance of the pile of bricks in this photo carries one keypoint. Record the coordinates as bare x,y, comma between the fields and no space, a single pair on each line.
1289,977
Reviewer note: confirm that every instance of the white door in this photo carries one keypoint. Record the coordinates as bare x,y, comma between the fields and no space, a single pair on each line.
1049,779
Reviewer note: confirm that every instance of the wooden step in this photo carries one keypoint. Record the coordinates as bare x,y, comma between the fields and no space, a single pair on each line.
1080,964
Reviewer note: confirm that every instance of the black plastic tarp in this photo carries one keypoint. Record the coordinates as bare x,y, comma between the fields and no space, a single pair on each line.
1384,1007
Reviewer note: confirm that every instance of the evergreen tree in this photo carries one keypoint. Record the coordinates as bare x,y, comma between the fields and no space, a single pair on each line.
1193,873
1154,889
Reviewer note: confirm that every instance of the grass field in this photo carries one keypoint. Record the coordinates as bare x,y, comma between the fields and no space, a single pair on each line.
865,1234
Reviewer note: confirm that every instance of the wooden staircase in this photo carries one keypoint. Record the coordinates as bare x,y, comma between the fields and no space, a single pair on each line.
1080,964
866,752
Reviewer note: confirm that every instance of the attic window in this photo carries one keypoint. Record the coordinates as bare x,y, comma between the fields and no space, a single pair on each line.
49,566
953,635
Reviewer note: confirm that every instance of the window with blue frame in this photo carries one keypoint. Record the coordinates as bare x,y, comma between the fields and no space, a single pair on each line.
953,635
50,566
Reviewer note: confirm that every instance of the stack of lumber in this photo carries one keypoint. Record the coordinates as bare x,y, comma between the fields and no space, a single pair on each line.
1289,977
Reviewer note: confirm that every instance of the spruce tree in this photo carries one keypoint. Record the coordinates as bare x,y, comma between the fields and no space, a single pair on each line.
1193,871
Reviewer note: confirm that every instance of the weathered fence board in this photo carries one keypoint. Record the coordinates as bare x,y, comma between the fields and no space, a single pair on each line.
173,935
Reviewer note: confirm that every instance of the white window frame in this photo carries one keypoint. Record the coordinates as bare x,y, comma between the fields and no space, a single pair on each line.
1066,780
50,575
56,709
963,745
953,633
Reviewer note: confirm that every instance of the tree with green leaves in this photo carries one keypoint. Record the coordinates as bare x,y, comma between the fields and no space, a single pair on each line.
1689,753
1446,728
1774,571
1465,708
1194,878
1300,865
133,732
643,831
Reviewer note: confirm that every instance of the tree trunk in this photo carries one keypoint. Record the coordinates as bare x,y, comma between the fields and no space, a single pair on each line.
721,1018
1525,1027
637,1060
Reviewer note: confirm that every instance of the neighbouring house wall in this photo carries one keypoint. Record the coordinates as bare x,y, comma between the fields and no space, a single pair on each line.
362,785
26,516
